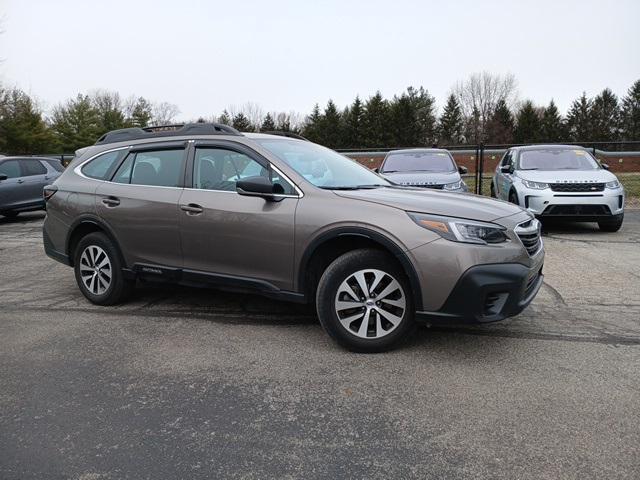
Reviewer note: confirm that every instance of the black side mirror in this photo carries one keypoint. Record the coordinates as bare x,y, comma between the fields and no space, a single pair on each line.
462,169
256,187
605,166
377,169
506,169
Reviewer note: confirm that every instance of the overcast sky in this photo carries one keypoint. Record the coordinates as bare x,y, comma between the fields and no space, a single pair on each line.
288,55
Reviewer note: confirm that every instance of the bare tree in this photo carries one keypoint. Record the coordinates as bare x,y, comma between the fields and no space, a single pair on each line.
164,113
478,96
251,110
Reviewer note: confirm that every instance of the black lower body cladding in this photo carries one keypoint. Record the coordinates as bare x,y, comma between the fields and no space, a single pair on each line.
487,293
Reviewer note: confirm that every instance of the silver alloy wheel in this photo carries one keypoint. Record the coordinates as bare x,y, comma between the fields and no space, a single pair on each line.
95,269
370,303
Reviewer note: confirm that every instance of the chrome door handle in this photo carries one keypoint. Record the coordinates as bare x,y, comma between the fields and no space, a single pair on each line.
111,201
192,209
19,181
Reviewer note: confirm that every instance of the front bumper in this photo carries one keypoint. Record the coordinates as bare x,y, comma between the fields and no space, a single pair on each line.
578,205
487,293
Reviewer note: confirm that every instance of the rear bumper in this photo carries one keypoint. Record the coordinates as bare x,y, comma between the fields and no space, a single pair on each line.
51,252
487,293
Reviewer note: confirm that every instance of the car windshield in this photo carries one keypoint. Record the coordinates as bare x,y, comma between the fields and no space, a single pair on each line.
321,166
557,159
418,162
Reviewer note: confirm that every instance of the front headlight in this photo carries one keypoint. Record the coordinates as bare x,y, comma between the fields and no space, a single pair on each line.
460,230
613,184
535,185
453,186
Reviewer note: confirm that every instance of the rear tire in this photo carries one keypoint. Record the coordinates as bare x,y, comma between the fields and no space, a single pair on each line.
611,225
98,270
384,301
513,197
10,214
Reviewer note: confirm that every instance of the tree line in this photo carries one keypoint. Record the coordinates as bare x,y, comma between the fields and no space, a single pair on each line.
481,109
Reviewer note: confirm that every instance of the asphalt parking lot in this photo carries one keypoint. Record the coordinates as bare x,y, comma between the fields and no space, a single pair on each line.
182,383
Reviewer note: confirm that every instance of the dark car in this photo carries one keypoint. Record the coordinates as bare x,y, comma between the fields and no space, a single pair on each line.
432,168
22,180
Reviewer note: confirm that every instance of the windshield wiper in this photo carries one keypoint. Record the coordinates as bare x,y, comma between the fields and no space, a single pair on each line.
534,168
353,187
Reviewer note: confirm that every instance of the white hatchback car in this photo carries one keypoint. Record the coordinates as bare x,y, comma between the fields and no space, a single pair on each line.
560,181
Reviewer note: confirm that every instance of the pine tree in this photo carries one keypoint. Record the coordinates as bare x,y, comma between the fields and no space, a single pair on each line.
312,128
579,126
225,118
377,123
500,126
403,124
553,129
331,126
631,113
140,114
353,118
528,124
424,106
242,123
268,125
473,128
451,125
22,128
76,123
605,117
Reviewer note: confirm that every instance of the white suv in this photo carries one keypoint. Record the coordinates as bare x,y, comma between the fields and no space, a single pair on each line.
560,181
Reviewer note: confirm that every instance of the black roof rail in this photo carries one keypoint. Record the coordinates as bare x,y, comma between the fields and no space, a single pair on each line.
137,133
286,134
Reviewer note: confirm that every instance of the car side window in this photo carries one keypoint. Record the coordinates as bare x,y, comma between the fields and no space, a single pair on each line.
10,168
161,168
56,165
506,160
221,168
100,166
33,167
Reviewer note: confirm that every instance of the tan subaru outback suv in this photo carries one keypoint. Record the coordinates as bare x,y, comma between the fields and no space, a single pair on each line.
205,205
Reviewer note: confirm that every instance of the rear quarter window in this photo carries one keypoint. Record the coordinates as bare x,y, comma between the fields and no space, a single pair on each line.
101,166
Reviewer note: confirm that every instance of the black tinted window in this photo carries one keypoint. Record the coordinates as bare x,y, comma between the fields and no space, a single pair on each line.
220,169
10,168
161,168
33,167
100,166
56,165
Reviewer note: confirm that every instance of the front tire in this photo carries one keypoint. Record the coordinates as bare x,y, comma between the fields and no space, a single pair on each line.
364,301
98,270
612,225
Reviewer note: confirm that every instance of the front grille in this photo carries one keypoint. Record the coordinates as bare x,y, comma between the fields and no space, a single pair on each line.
529,234
576,210
577,187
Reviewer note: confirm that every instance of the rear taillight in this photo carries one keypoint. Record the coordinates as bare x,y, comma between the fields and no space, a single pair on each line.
49,191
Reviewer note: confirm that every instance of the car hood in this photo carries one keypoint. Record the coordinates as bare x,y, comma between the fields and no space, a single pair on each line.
567,176
422,178
436,202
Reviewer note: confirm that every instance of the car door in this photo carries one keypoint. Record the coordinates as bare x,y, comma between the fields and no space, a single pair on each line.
140,205
225,234
12,193
35,176
503,183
